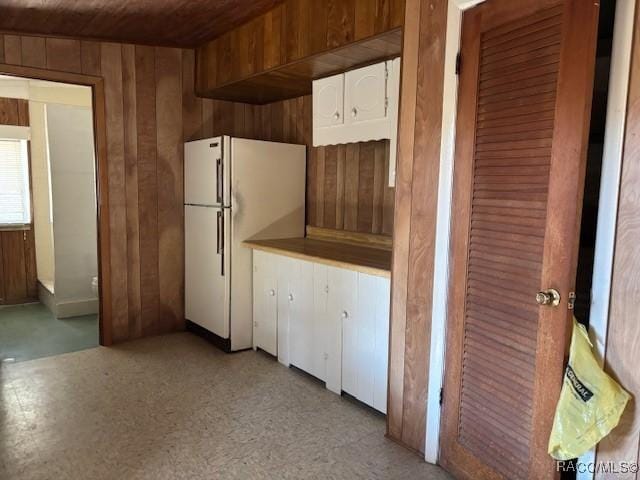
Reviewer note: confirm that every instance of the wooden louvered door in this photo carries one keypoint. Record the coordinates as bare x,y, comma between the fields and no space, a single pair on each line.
525,91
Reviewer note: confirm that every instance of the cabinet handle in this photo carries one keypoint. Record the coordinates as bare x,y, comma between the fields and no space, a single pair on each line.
354,112
336,115
345,315
272,292
291,297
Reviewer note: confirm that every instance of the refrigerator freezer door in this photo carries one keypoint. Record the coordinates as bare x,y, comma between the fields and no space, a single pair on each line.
207,285
203,172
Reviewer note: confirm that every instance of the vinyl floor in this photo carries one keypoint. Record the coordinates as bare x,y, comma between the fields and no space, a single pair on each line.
174,407
31,331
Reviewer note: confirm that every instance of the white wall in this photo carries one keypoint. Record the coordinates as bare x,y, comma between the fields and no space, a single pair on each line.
43,228
72,163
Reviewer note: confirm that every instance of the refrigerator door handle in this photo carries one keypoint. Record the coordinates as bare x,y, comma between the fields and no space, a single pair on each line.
221,240
219,180
218,243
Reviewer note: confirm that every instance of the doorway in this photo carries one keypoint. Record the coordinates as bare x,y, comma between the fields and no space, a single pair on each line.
517,197
49,280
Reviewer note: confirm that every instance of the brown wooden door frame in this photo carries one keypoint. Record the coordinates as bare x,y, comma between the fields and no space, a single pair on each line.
102,183
562,231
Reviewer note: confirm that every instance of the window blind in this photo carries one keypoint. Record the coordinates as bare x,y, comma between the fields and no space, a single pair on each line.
15,208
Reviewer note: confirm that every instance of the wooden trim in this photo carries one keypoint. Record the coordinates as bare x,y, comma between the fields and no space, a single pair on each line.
420,129
16,228
443,229
384,242
623,329
610,188
402,217
102,185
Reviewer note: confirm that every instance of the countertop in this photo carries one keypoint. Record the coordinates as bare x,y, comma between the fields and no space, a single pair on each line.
374,261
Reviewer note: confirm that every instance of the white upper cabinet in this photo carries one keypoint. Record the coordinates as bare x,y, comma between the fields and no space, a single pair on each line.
366,94
328,101
359,106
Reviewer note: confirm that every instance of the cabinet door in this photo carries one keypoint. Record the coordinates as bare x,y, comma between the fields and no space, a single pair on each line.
380,360
328,101
321,334
265,304
341,310
300,299
370,354
365,94
286,267
363,352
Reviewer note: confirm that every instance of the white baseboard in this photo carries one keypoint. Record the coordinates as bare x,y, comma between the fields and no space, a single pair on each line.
77,308
47,298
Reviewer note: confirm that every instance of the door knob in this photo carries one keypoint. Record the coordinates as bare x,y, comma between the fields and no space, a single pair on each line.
291,297
354,112
345,315
548,297
272,292
336,115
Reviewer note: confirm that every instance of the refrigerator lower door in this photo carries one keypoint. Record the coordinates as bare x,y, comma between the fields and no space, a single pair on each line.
207,280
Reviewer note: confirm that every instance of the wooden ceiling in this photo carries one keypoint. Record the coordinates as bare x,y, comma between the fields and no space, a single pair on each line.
177,23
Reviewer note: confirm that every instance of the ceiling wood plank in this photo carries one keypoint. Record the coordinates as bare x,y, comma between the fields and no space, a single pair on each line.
176,23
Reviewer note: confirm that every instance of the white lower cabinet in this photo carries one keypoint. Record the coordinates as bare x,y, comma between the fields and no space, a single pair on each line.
330,322
341,315
372,346
302,347
265,302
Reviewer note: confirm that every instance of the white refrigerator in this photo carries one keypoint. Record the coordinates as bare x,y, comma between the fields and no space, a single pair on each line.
235,190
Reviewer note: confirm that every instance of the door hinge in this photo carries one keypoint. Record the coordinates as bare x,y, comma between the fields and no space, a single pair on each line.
441,395
572,301
458,63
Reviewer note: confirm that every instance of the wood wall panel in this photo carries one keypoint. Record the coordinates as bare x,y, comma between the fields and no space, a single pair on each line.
18,278
150,108
170,182
623,338
415,218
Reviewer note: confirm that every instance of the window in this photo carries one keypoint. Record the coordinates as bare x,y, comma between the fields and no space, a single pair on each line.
15,208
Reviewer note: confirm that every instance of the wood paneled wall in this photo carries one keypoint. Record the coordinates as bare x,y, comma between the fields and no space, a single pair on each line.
145,122
18,279
14,111
151,108
415,218
623,338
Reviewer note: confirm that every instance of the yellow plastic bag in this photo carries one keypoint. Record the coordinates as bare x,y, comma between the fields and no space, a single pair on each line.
590,404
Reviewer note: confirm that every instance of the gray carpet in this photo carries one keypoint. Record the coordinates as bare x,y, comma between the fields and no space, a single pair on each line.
31,331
